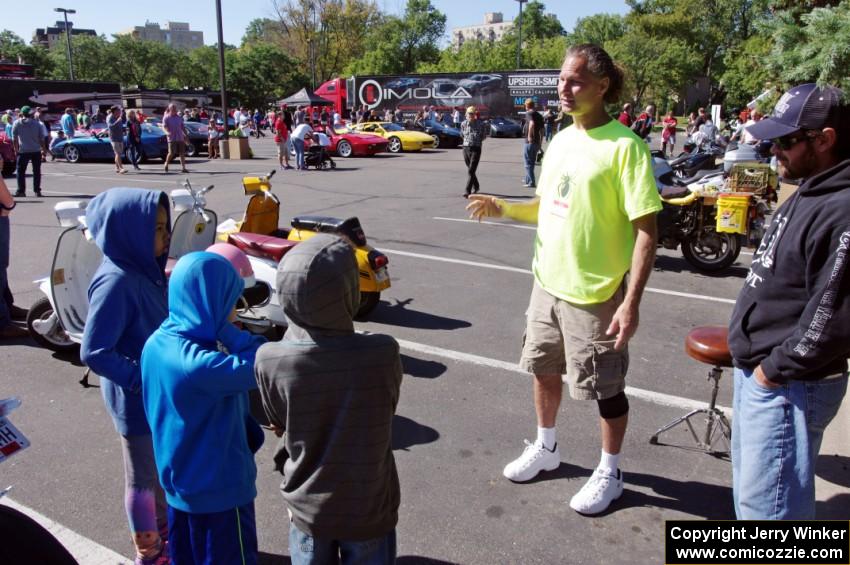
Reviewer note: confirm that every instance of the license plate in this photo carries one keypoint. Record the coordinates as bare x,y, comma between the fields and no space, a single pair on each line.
381,275
11,440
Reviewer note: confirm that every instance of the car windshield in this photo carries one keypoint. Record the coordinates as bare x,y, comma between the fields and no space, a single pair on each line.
392,127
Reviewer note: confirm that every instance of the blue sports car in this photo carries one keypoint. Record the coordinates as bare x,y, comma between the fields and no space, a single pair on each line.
86,146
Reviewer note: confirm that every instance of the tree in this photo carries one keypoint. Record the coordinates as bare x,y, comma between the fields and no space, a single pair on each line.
92,59
746,75
482,56
148,64
538,25
598,29
325,35
818,51
401,45
261,73
14,49
262,30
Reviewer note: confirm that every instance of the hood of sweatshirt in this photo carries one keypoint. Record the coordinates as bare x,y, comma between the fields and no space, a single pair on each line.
318,286
201,294
123,223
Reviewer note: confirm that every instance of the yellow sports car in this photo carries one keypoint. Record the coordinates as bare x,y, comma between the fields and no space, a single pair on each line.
400,139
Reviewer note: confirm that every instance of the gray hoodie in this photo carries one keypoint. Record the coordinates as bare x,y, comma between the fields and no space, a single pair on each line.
333,392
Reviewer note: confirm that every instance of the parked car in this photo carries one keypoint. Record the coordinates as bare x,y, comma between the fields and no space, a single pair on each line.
83,146
443,135
399,138
198,141
479,84
7,151
347,143
503,127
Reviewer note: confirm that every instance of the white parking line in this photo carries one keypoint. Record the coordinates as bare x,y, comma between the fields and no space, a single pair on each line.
646,395
117,179
84,550
528,272
502,224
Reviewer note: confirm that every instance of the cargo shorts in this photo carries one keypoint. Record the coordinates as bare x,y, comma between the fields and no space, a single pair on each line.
569,339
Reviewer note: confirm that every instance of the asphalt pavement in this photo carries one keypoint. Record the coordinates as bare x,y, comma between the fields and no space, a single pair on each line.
457,303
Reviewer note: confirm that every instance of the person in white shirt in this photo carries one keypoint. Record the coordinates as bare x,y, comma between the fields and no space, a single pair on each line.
299,134
746,136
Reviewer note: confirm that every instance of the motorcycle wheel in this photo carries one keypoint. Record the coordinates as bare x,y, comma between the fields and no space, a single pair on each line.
710,251
368,302
32,543
57,340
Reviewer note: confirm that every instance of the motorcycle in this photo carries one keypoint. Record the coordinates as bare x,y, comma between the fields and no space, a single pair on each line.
57,319
30,542
689,218
260,236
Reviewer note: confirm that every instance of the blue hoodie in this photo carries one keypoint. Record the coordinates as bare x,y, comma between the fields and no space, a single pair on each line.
197,369
127,299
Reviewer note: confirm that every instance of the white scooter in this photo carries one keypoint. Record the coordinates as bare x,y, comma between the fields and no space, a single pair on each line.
57,320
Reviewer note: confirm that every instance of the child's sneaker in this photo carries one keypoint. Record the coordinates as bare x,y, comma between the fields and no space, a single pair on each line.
534,459
598,493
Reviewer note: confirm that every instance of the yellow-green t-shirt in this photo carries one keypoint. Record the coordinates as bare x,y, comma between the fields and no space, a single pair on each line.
593,183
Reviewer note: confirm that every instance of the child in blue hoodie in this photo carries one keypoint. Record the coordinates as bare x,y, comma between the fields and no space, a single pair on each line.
127,302
197,369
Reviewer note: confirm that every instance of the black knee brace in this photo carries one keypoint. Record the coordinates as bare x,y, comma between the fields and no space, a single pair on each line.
614,407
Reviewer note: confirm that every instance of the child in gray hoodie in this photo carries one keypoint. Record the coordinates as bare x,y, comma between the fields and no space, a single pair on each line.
331,394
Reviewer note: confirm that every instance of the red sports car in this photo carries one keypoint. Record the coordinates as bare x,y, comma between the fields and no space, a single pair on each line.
346,143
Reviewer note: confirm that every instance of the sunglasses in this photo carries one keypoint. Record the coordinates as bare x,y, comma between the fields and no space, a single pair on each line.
786,142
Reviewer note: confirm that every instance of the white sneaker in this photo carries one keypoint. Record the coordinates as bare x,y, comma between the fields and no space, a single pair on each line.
598,492
534,458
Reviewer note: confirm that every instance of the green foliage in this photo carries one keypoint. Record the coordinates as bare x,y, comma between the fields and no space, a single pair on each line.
746,74
14,49
260,74
536,24
598,29
262,30
400,45
818,51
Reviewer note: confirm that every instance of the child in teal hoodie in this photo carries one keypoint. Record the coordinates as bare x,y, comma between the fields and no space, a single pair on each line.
197,369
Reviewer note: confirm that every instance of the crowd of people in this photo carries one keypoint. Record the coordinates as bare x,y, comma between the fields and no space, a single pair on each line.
176,370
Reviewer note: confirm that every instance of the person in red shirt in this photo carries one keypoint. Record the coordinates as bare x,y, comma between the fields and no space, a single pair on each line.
668,134
626,115
281,138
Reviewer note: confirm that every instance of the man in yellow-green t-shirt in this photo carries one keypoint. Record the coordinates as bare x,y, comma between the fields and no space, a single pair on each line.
595,211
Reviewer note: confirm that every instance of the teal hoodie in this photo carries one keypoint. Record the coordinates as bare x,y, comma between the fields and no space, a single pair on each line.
197,369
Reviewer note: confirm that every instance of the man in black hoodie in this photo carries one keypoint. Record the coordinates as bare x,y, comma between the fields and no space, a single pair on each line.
790,329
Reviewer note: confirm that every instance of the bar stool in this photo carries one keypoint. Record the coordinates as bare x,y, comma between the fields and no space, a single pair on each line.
707,344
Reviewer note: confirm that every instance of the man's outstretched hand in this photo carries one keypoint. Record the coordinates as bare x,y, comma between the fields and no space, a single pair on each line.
483,206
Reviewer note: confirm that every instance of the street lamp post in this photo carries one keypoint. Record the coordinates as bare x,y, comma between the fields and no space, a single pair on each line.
65,12
225,148
519,37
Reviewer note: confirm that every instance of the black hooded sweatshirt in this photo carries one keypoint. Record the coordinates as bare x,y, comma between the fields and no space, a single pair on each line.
793,315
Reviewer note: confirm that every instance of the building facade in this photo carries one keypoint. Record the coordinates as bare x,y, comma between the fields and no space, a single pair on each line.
493,29
175,34
50,36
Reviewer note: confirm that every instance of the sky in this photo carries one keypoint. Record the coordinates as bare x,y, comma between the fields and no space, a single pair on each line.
236,14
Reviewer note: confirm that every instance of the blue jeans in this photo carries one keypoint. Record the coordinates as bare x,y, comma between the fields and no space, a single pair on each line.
306,550
23,160
299,152
134,152
530,157
776,437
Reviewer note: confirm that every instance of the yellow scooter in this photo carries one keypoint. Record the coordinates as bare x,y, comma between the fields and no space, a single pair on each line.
259,235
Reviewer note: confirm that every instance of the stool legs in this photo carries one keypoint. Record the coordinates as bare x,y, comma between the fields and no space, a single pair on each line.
716,420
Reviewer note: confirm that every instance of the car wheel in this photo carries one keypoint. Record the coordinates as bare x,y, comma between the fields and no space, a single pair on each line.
395,145
72,154
191,150
344,149
436,139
